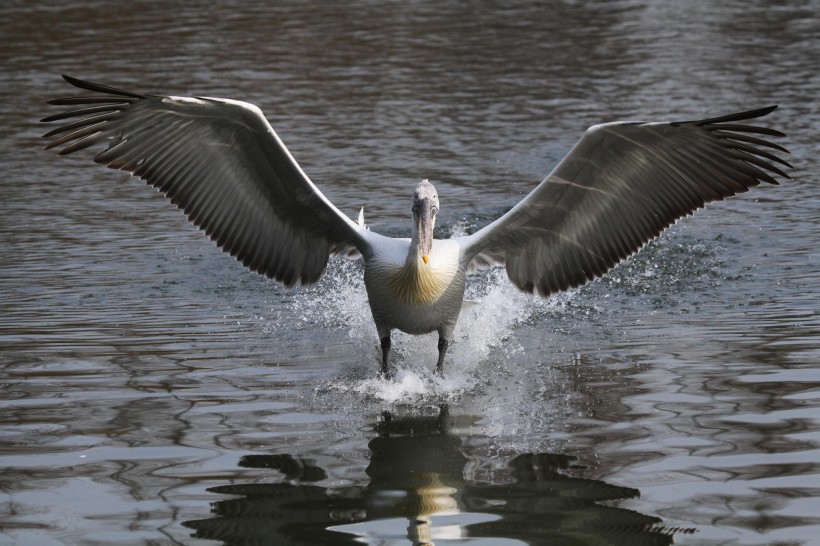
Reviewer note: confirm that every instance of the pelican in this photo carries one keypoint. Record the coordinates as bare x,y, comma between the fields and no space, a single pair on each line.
223,165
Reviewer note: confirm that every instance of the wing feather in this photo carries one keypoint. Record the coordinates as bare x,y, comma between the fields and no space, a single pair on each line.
618,188
223,165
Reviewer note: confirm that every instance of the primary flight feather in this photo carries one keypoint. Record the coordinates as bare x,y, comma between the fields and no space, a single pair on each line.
224,166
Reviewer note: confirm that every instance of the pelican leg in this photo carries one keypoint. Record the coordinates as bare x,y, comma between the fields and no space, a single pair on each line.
442,350
385,342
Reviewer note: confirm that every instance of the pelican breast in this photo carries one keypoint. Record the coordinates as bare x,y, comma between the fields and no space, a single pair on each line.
411,295
419,283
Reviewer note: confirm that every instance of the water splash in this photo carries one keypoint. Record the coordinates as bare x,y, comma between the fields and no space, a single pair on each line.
483,337
493,342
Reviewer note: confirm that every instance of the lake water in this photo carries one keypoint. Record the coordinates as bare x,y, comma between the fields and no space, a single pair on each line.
155,392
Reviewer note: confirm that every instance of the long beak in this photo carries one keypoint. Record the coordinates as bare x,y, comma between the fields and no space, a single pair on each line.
426,230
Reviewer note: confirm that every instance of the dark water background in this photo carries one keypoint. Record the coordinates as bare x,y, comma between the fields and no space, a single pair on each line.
155,392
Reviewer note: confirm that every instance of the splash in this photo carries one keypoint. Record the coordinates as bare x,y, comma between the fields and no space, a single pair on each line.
483,340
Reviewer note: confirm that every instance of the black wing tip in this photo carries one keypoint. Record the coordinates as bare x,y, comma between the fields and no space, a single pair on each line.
99,88
725,125
105,99
74,81
759,112
739,116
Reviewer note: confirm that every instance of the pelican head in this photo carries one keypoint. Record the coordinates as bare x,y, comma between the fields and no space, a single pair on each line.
425,208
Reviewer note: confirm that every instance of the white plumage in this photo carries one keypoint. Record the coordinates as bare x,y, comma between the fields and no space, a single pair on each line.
222,164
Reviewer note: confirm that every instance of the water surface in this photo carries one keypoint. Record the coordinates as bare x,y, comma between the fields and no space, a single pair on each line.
155,392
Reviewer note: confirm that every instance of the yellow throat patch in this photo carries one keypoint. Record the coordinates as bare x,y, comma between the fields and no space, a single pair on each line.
418,283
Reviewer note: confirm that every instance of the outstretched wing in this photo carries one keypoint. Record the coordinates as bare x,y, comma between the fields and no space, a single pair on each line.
618,188
221,163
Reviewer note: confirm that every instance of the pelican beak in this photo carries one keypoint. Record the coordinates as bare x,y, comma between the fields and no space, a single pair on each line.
426,230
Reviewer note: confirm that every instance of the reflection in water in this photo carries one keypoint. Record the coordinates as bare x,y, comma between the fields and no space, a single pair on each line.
418,492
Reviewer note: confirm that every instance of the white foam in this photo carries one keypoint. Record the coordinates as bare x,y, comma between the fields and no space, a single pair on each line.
484,332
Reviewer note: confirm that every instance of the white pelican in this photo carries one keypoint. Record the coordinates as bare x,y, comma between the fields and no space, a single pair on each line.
222,164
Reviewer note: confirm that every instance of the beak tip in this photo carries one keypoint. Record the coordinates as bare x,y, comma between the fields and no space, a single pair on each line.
425,258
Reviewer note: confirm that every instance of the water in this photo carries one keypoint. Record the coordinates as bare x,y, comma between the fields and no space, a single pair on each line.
155,392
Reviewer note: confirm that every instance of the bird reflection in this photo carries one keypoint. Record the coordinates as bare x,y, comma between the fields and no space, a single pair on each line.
417,475
416,471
